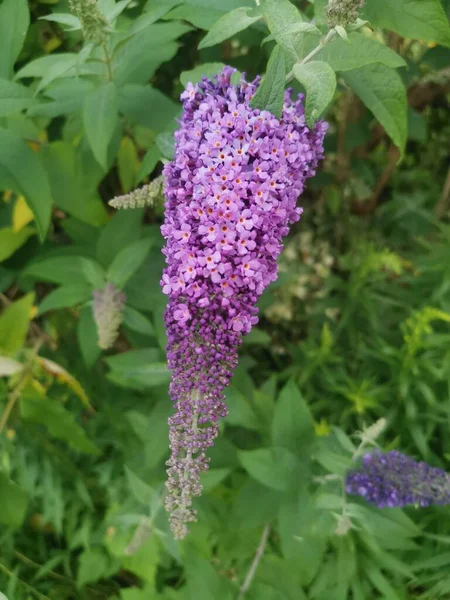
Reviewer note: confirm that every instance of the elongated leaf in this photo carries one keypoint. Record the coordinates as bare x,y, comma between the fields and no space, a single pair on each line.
59,422
276,467
138,369
71,21
63,376
128,261
382,91
120,231
299,27
228,25
41,66
14,324
11,240
414,19
281,15
9,366
68,270
319,80
292,426
65,296
14,22
14,502
270,94
136,321
14,98
100,119
25,172
205,70
359,52
87,337
141,491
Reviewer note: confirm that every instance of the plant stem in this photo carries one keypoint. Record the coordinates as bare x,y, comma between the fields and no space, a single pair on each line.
15,394
253,567
107,62
330,35
28,587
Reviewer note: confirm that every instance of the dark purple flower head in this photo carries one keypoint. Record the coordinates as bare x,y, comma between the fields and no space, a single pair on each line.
231,194
395,480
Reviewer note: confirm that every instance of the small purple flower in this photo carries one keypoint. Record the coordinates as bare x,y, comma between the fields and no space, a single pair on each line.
395,480
231,194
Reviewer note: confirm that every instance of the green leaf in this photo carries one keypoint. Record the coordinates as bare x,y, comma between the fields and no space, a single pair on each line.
141,491
270,94
383,92
93,565
120,231
64,19
100,114
145,561
128,261
65,296
14,322
205,13
68,270
136,321
149,163
137,60
59,422
241,412
204,70
14,22
292,425
73,182
134,100
227,26
275,467
359,52
300,27
128,164
138,369
413,19
26,174
319,81
14,98
87,337
9,366
14,500
11,240
281,15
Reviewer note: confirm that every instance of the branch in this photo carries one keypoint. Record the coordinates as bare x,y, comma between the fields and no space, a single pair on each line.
253,567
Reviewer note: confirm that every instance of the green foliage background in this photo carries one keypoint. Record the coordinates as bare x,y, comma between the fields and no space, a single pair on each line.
356,329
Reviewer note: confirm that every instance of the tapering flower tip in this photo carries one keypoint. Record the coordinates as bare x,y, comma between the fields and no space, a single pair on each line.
94,24
395,480
231,194
343,12
146,195
108,306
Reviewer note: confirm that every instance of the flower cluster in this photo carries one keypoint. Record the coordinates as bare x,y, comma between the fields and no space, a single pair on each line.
108,306
94,24
231,195
343,12
394,479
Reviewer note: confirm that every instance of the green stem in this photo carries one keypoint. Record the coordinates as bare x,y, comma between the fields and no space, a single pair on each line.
107,62
330,35
28,587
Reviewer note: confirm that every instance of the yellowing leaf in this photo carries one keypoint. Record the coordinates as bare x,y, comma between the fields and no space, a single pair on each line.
61,375
128,163
22,215
14,324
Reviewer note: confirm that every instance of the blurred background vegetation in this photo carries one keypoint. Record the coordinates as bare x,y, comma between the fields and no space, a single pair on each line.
355,329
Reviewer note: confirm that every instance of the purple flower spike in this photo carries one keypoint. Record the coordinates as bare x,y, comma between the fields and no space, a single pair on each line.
231,194
395,480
